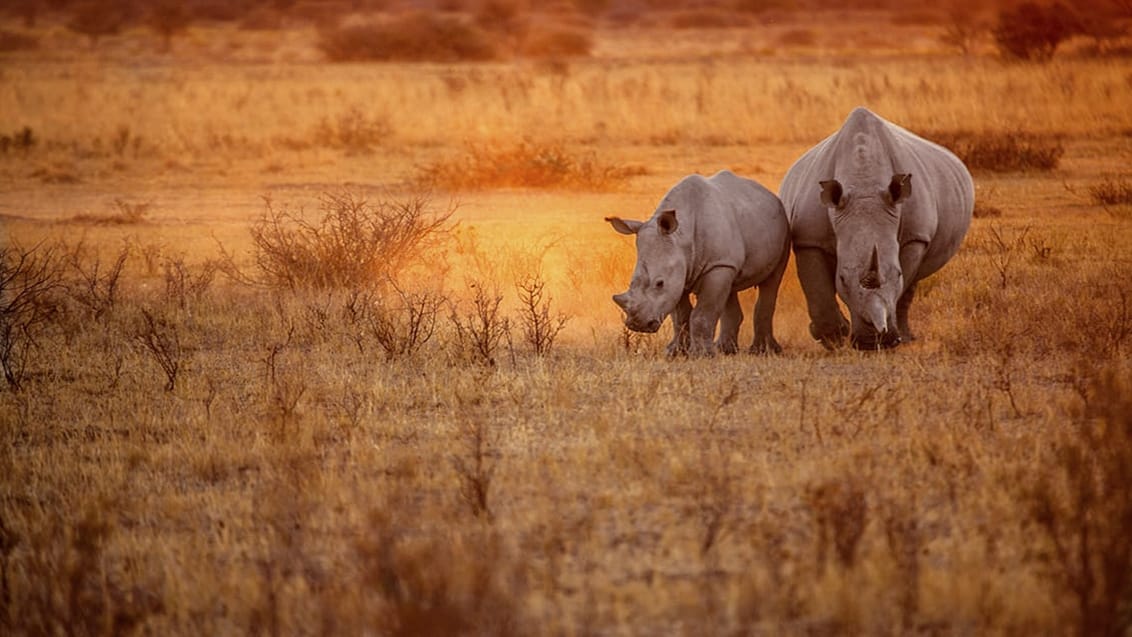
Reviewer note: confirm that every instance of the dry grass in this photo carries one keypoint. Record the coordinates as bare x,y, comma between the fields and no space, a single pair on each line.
1002,152
524,165
183,453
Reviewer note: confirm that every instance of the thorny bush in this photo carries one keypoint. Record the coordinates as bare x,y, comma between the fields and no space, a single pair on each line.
353,242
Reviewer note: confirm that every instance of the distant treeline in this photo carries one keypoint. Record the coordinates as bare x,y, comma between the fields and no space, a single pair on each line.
450,30
235,10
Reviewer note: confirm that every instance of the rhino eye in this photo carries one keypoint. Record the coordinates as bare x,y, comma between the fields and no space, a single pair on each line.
659,284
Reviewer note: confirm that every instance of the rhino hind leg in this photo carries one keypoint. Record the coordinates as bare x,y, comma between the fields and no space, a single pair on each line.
902,306
816,270
729,322
764,341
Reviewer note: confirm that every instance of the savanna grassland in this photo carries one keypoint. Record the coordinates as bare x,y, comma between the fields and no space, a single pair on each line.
294,346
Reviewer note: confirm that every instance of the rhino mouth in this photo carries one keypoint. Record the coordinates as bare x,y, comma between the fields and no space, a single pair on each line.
645,326
872,340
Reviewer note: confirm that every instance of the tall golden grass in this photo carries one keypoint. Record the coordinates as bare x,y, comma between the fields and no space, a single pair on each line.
188,454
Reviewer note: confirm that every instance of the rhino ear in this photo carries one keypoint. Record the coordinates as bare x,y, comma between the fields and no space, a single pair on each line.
831,192
666,222
899,188
623,226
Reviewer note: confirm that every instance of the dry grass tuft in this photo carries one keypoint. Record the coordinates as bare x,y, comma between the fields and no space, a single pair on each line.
126,213
1002,151
525,165
354,243
418,36
1112,192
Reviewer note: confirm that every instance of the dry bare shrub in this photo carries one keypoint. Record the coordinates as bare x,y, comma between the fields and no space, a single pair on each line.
353,244
159,336
481,329
798,37
526,165
475,465
539,327
96,19
14,41
1112,192
183,285
417,36
168,18
435,581
21,140
1033,31
706,19
400,321
1001,151
1077,499
905,541
93,284
30,280
127,213
353,130
556,41
962,27
65,582
841,512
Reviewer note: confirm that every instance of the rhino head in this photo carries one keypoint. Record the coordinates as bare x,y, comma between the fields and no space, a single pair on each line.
866,221
658,278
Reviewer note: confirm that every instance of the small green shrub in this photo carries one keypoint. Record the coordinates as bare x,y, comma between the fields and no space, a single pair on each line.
412,37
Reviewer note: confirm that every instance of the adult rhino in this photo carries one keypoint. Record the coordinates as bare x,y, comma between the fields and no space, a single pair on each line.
873,210
712,237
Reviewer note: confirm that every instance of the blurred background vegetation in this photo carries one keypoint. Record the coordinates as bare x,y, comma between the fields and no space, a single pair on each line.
455,30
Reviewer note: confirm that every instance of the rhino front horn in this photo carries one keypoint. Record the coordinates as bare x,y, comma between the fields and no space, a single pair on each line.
871,279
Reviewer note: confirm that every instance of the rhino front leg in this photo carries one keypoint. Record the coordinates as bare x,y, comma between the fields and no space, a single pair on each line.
902,306
816,270
729,322
712,293
680,339
911,255
764,342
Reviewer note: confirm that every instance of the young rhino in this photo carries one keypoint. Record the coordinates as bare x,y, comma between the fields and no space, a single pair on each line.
712,237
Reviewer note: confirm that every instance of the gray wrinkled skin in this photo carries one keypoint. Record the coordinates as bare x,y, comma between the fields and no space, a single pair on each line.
711,237
873,209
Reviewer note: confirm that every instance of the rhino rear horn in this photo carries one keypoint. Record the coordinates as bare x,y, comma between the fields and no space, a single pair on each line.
871,279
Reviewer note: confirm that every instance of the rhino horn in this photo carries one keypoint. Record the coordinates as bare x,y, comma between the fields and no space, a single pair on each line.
871,279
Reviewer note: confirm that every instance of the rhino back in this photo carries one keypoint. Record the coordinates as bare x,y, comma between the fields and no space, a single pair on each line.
735,222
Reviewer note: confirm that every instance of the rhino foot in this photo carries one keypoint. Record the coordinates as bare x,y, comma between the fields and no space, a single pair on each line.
727,347
831,336
768,346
